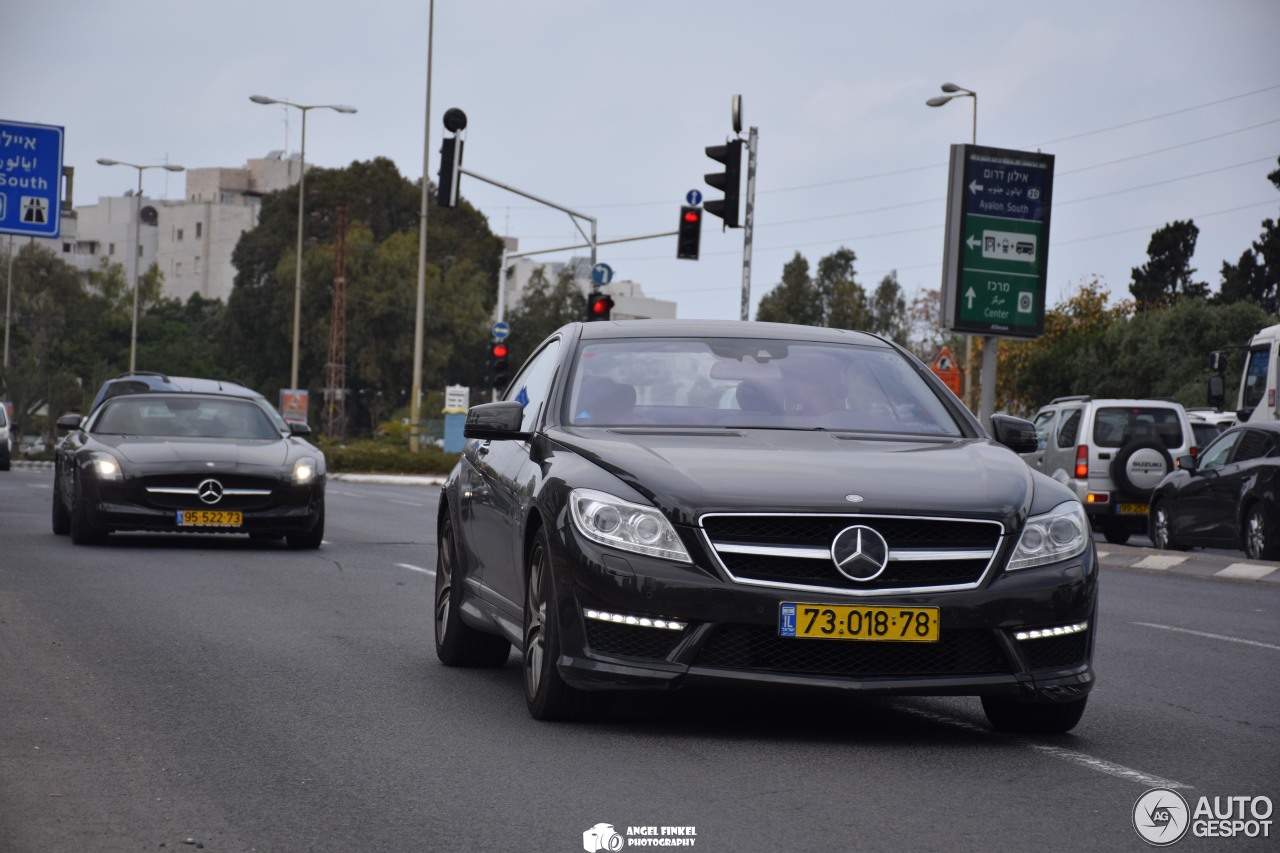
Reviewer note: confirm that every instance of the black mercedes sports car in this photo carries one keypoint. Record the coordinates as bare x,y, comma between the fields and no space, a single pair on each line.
654,504
188,462
1228,496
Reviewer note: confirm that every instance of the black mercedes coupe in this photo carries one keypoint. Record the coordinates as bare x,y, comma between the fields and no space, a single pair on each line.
654,504
186,462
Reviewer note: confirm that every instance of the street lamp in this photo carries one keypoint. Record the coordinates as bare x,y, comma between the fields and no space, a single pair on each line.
954,91
302,178
137,244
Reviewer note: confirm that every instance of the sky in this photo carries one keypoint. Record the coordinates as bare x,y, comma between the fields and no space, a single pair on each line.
1155,110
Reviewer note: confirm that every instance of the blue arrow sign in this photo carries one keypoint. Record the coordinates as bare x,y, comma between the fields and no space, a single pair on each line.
500,331
602,274
30,179
694,198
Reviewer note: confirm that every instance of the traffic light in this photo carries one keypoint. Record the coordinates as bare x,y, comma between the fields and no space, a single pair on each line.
730,154
499,368
450,172
689,234
599,306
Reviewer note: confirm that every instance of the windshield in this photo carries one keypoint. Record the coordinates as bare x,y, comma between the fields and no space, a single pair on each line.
753,383
1255,377
185,416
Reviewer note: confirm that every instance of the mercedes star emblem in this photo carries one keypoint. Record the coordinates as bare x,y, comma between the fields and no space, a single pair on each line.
210,491
860,553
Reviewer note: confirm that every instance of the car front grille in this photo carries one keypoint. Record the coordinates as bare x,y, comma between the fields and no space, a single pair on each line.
794,551
759,648
180,491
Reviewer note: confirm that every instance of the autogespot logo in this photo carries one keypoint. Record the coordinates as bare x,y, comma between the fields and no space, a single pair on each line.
1160,816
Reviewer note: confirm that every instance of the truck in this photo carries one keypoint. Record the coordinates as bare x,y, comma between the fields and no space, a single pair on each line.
1257,399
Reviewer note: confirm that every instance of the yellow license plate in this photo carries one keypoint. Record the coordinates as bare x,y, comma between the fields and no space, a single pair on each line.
1133,509
209,518
858,622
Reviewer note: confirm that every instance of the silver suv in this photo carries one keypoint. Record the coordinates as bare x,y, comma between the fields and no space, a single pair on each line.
1111,453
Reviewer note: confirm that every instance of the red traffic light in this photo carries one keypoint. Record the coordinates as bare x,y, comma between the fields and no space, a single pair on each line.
499,350
599,306
691,214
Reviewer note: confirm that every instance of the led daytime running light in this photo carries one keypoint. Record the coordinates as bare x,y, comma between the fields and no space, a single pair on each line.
639,621
1059,631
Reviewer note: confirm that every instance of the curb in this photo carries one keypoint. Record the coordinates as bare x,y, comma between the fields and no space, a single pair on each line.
1187,564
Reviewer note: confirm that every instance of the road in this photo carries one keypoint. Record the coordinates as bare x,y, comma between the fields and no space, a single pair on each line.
184,692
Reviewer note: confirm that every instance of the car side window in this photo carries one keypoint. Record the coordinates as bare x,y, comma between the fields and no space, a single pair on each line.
1044,425
1069,429
1217,454
1254,445
532,384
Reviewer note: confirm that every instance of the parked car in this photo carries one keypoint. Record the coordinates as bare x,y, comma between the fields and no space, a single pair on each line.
653,504
1208,423
6,438
1111,454
1228,497
183,461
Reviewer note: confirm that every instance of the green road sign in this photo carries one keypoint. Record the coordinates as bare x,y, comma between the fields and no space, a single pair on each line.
997,243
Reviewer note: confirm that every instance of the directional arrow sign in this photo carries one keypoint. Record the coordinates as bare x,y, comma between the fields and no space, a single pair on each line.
998,204
30,179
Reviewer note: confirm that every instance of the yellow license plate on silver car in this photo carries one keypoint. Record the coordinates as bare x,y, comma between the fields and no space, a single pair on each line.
209,518
1133,509
889,624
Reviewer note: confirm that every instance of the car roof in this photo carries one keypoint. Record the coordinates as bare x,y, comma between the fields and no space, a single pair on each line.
721,329
141,383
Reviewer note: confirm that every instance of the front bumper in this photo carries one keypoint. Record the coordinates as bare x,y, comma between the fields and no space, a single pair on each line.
290,509
730,634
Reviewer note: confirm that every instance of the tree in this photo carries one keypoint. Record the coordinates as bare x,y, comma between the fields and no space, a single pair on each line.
1166,276
794,299
888,312
543,308
1256,277
842,300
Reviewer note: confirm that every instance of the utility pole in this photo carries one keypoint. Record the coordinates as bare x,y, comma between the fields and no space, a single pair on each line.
336,367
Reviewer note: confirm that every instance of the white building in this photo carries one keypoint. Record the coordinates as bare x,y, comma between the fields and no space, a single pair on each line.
629,300
191,239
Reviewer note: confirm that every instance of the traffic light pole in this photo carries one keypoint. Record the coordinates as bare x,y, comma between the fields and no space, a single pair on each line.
573,214
752,140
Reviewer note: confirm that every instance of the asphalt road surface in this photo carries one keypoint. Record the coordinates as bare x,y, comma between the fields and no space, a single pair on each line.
203,693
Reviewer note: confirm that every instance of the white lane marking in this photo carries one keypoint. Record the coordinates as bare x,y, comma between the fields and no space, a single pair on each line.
1118,770
406,503
1084,760
345,494
418,569
1210,636
39,486
1248,571
1159,561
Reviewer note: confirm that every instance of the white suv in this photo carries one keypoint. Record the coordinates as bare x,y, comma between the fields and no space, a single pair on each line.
1111,453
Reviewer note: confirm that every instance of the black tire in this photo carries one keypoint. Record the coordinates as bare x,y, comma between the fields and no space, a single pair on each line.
1115,532
1039,718
61,518
1120,472
83,531
546,693
310,540
1160,528
457,643
1261,538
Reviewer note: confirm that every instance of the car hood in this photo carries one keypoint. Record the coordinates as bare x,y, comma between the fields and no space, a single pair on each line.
142,454
692,472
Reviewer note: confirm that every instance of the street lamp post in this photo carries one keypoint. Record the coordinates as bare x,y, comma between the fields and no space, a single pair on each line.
954,91
302,178
137,244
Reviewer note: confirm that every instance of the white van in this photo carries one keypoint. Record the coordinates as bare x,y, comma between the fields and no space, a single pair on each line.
1257,399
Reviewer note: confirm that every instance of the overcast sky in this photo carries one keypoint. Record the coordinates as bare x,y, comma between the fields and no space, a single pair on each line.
1156,111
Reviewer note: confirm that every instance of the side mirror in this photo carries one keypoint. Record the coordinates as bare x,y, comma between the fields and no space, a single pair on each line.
498,421
1015,433
298,429
1218,361
70,420
1217,388
1188,463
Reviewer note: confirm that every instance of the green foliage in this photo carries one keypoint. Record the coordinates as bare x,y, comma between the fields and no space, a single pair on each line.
1167,274
888,310
543,308
382,457
795,299
1256,277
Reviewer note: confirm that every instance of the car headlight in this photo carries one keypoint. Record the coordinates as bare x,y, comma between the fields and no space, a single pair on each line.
1059,534
612,521
105,466
304,471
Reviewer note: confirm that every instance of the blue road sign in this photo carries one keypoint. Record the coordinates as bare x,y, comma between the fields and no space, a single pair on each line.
602,274
694,198
500,330
30,179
